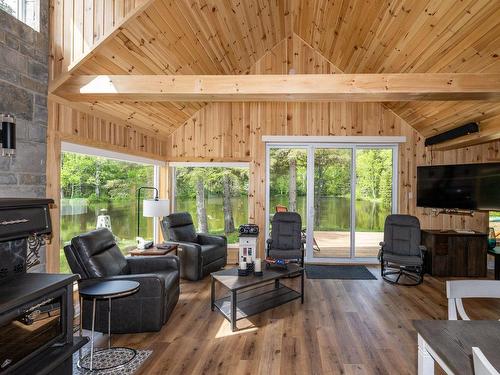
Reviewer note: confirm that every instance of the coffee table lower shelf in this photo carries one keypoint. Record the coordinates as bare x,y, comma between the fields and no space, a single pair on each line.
256,300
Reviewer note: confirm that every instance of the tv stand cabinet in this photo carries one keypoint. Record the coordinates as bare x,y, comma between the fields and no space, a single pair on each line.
450,253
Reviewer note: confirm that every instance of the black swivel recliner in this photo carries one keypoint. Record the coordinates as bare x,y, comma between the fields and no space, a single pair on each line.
286,240
199,253
401,254
96,257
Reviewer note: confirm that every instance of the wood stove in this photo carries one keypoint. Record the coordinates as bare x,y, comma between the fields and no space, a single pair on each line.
36,309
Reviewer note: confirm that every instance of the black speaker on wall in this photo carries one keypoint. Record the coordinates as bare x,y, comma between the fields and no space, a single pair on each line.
471,127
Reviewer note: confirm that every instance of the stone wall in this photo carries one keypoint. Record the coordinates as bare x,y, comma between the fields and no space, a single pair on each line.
23,93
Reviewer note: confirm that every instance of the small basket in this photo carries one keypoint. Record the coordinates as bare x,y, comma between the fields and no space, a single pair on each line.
242,272
250,267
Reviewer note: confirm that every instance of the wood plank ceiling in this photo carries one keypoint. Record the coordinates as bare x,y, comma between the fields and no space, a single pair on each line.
183,37
357,36
402,36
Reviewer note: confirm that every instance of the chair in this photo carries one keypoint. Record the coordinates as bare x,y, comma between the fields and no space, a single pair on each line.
96,257
401,254
481,364
281,208
199,253
286,237
458,289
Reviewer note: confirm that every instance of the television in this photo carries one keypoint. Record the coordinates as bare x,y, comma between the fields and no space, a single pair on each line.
462,186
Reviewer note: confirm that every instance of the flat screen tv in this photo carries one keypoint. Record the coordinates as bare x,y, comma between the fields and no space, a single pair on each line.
463,186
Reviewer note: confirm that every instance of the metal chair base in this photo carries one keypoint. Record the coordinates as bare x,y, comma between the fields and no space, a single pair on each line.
415,274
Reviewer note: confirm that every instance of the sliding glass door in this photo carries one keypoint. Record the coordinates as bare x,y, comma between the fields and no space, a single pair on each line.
332,203
374,198
342,192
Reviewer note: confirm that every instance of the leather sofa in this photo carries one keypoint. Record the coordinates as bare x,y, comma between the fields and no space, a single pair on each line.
96,257
199,253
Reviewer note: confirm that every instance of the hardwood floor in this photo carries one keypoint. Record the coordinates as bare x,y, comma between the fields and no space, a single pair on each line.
344,327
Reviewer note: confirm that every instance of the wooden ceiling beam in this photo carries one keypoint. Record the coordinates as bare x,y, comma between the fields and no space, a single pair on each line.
489,130
299,87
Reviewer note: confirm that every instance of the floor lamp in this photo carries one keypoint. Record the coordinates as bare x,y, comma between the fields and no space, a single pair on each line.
155,207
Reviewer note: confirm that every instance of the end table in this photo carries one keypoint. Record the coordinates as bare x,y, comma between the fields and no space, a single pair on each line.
105,290
154,251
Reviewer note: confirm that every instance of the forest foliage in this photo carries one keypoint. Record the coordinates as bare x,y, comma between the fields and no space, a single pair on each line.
100,179
332,173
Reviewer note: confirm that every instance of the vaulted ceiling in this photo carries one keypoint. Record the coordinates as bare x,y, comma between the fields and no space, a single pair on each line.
357,36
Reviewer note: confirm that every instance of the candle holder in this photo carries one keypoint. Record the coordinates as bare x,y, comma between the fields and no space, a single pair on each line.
242,272
250,267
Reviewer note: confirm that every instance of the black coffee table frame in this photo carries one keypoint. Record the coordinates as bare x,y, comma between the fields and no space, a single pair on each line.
251,295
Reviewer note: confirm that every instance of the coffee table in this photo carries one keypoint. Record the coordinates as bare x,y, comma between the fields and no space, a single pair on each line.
250,295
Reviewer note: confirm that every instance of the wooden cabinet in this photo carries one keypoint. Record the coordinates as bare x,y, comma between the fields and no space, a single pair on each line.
450,253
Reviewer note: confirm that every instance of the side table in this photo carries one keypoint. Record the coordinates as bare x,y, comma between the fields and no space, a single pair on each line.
496,254
100,359
154,251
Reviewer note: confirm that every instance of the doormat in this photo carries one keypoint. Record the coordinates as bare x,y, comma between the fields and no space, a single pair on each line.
339,272
129,369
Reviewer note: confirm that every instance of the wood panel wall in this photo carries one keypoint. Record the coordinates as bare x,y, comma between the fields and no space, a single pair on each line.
77,26
233,132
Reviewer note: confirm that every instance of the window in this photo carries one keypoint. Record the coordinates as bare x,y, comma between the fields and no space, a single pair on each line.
97,191
215,196
27,11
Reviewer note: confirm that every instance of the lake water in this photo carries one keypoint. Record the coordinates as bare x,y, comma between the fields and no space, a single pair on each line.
334,214
78,216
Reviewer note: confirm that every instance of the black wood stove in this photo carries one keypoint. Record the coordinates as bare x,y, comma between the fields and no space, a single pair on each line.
36,309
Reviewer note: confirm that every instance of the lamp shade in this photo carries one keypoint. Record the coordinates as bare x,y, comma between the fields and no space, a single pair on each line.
155,207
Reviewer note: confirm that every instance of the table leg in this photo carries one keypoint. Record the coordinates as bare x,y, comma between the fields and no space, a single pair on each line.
497,266
109,323
212,293
233,310
425,360
92,335
81,325
302,286
277,283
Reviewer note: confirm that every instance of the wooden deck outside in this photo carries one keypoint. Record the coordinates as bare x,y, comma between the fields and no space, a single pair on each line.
337,244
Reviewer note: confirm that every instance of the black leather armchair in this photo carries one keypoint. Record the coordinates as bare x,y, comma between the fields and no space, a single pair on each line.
199,253
96,257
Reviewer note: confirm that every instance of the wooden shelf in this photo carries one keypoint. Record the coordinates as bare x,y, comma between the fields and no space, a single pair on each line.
254,301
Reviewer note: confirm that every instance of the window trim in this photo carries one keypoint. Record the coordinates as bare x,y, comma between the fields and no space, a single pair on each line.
114,155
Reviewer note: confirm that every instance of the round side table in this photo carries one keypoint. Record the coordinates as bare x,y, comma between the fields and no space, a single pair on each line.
105,359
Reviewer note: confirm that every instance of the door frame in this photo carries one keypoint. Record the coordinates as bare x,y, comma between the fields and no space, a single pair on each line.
310,148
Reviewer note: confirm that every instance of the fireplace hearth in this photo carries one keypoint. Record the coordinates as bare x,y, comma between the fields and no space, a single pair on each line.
36,309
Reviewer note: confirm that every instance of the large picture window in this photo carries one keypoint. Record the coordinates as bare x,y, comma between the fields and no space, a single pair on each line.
96,191
215,196
27,11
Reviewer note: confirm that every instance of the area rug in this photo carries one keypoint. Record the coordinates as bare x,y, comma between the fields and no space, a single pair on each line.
129,369
339,272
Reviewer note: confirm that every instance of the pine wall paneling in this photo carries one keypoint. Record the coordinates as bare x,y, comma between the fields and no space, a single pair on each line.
205,136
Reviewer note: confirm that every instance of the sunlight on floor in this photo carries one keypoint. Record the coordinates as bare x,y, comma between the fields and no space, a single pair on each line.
225,328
